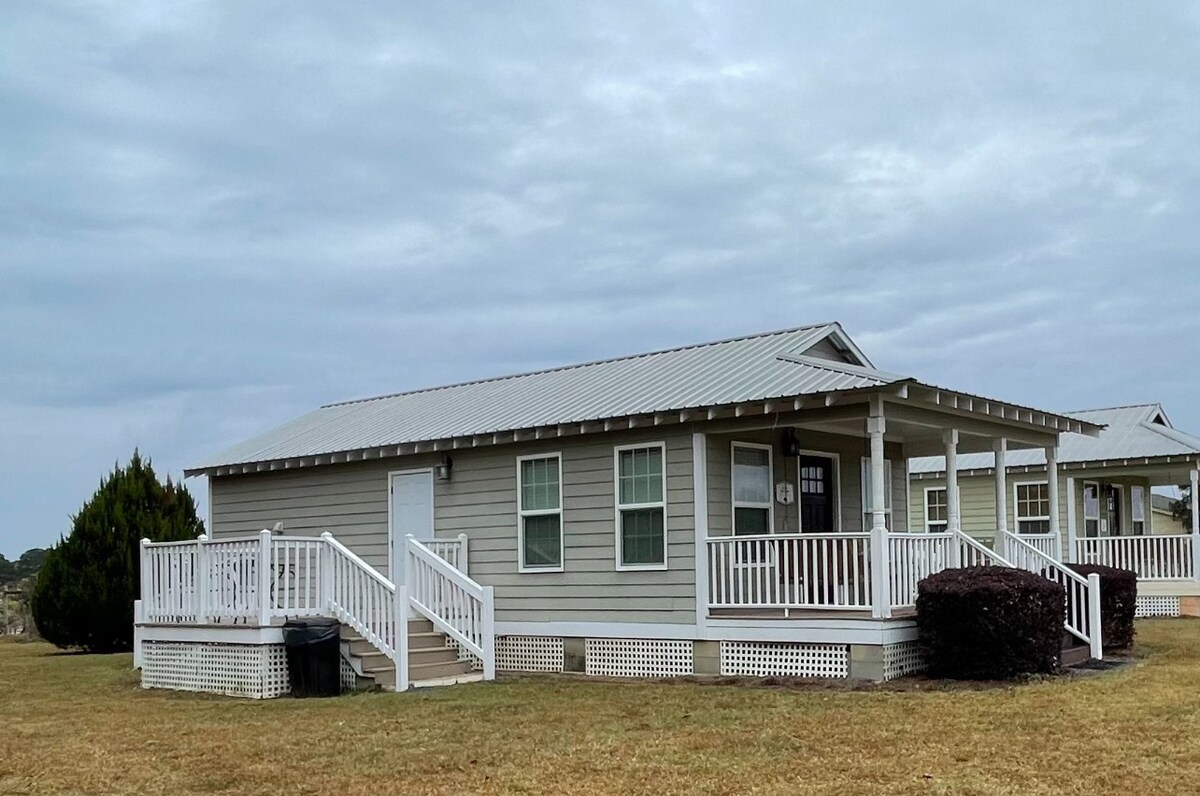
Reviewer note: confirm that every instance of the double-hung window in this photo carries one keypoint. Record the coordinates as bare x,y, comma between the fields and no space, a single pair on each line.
641,506
1137,509
937,509
539,510
1091,509
751,489
1033,507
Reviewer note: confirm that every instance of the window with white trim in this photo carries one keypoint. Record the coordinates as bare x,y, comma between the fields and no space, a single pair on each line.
1137,509
539,510
751,489
1091,510
641,506
866,492
1033,507
937,509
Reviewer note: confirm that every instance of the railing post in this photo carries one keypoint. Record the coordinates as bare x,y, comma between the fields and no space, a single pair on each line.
462,554
145,587
325,582
489,632
202,580
264,578
1195,500
1095,632
407,566
400,640
137,634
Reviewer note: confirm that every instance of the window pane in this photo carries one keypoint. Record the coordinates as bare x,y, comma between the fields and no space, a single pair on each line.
640,476
1034,526
936,506
539,484
751,521
751,475
1033,500
642,540
542,547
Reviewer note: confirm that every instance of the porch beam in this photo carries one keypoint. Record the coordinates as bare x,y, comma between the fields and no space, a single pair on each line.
939,416
1052,493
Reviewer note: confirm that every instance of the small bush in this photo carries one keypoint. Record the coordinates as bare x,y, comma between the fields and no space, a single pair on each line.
1118,603
990,623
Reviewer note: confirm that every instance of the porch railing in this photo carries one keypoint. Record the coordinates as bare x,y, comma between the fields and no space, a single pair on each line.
453,551
790,571
456,605
1151,557
914,556
1047,543
1082,594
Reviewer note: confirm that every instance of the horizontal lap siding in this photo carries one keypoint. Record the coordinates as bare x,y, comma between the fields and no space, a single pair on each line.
351,501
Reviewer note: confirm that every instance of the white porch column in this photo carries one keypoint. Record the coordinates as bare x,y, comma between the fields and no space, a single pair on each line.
700,516
1072,528
1195,478
953,512
1001,478
881,603
1052,493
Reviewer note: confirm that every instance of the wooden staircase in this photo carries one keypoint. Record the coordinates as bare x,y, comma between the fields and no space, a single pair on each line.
430,661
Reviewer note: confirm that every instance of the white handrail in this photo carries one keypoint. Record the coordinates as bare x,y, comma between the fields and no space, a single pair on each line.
1082,594
454,551
1151,557
456,605
365,600
972,553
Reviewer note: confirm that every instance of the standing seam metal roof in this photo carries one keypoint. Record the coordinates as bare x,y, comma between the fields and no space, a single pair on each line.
754,368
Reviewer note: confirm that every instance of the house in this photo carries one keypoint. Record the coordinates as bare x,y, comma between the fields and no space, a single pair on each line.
731,508
1110,516
1163,521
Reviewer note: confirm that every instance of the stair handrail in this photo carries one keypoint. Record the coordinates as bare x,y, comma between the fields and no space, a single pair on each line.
458,606
1082,594
359,596
983,551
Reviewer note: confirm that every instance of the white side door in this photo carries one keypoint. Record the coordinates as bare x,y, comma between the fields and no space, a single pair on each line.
410,512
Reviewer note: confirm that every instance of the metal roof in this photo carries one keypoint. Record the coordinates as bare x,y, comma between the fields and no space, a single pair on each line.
1132,432
759,367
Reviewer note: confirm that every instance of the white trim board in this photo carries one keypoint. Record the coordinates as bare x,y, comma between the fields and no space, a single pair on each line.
216,634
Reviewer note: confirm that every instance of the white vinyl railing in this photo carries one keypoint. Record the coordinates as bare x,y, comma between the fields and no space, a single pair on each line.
1047,543
454,551
456,605
971,553
914,556
296,564
800,571
363,599
1082,594
1151,557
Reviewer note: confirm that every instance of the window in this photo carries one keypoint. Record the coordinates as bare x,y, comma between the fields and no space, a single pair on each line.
752,478
641,507
1091,510
539,510
866,492
1137,509
1033,508
937,510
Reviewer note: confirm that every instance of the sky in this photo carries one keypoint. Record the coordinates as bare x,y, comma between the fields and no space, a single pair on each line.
217,216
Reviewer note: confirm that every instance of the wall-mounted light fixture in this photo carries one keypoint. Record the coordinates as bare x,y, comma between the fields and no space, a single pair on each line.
443,469
791,445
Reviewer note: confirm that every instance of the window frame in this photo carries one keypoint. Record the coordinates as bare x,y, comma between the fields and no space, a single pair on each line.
889,500
1017,518
735,504
1086,519
1136,506
943,525
618,507
522,513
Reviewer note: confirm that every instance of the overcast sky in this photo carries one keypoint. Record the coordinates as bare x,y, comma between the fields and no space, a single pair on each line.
214,217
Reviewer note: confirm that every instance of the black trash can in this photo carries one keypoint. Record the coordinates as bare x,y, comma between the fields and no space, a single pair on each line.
314,659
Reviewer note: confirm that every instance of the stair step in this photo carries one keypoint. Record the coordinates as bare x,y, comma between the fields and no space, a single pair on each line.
432,655
419,626
1075,655
432,671
417,641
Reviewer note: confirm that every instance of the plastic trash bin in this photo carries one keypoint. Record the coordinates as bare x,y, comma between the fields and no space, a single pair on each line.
313,656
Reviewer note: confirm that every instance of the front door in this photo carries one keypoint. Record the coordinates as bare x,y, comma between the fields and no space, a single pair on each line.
411,512
1112,509
818,503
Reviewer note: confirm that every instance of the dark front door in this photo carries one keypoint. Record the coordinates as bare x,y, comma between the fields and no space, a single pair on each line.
817,500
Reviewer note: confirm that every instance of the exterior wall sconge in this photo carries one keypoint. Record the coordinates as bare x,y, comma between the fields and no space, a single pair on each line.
791,445
443,469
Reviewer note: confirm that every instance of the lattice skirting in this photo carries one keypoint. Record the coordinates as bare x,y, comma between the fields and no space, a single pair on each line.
349,677
1157,606
258,671
902,659
616,657
784,659
529,654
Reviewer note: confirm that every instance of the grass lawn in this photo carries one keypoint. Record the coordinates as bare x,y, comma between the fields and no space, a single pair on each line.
81,724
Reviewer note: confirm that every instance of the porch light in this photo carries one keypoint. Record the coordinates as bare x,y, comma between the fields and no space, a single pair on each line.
443,469
791,445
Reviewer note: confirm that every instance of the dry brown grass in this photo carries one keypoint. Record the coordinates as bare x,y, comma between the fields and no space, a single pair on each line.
81,724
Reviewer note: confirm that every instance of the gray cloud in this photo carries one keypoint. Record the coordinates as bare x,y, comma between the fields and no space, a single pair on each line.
216,216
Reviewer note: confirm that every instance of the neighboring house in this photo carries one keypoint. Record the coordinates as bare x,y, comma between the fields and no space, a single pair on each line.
1108,513
729,508
1163,521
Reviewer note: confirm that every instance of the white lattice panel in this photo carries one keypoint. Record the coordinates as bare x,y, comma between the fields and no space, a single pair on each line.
782,659
465,655
902,659
349,677
1156,606
625,657
529,654
258,671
